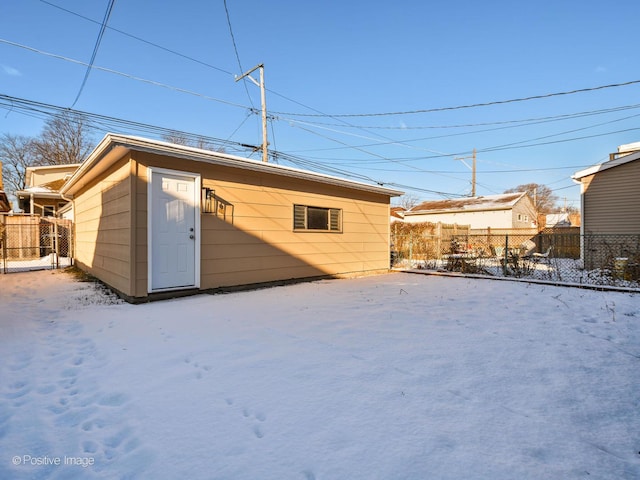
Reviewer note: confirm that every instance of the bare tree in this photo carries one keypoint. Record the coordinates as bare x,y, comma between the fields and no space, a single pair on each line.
545,199
408,201
177,138
197,141
16,154
65,139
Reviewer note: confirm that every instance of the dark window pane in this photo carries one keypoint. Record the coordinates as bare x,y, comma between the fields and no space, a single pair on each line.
317,218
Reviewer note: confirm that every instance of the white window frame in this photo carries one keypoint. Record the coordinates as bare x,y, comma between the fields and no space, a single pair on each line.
301,218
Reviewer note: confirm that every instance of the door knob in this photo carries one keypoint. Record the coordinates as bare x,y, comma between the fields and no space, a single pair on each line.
192,237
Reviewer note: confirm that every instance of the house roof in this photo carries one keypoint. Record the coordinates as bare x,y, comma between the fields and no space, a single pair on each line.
606,165
503,201
114,146
397,212
65,167
49,189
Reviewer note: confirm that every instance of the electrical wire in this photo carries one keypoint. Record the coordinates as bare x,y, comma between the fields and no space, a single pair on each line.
45,110
344,124
461,107
134,37
126,75
103,26
235,49
405,142
524,121
347,124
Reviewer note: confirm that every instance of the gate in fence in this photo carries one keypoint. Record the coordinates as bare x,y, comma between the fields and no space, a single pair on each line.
31,242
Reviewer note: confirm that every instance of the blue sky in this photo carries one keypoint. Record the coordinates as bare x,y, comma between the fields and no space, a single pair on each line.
367,60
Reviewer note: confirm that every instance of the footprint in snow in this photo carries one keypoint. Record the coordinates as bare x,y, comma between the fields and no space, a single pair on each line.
308,475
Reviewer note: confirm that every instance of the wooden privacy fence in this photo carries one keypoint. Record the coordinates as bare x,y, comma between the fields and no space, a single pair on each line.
30,242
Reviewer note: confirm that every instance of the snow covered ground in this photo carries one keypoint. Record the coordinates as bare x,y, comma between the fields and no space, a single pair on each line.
47,262
401,376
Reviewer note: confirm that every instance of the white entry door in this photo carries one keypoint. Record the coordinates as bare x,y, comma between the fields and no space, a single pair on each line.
174,230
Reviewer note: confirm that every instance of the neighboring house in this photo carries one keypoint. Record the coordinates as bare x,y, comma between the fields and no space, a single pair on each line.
5,204
154,217
508,210
557,220
561,220
42,192
609,199
609,194
396,214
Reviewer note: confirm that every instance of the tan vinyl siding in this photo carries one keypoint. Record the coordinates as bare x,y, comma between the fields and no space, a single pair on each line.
257,243
103,227
611,200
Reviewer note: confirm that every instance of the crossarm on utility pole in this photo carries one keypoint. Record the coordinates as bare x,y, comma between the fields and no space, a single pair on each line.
263,100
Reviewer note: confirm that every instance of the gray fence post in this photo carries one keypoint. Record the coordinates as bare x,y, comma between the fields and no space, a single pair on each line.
410,249
506,255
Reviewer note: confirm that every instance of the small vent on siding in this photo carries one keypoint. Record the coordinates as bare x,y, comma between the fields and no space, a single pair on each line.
299,217
334,219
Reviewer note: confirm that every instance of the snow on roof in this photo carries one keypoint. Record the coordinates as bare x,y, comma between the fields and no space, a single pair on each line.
606,165
488,202
49,187
629,147
113,145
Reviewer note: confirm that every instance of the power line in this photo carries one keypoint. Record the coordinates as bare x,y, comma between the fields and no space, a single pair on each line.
460,107
41,110
504,147
126,75
235,49
523,121
168,50
103,26
174,52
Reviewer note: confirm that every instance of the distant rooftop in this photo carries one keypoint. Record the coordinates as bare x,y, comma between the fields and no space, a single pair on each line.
488,202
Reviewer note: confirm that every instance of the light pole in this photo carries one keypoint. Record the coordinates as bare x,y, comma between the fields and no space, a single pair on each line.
265,157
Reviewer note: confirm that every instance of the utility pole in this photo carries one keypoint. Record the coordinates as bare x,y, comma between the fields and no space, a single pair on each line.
263,100
473,170
473,175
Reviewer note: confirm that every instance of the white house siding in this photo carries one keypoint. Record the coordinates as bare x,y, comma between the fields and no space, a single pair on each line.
493,219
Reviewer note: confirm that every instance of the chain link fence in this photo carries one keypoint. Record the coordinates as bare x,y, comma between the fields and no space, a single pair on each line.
31,242
568,257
